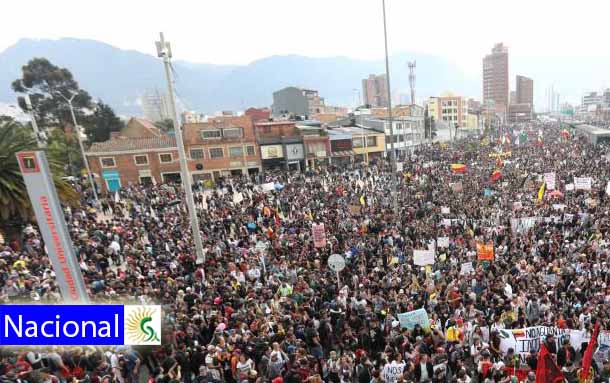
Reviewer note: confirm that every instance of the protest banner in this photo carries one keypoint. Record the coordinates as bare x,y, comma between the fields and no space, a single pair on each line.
409,319
549,179
524,340
466,268
485,252
268,187
582,183
442,242
319,235
423,257
550,279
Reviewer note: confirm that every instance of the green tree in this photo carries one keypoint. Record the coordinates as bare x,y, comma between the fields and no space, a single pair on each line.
49,88
101,123
14,200
166,125
63,148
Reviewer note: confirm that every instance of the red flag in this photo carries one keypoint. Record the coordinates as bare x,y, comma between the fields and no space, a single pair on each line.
586,359
496,175
547,371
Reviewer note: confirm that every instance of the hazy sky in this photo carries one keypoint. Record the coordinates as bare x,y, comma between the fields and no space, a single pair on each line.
240,31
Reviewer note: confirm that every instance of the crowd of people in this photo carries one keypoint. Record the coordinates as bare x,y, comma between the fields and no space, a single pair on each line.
262,305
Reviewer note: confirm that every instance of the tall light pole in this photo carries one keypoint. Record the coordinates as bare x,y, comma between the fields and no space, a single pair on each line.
40,136
365,157
80,144
165,52
387,77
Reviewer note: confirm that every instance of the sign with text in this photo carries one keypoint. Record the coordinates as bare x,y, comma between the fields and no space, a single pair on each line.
319,235
549,179
582,183
423,257
409,319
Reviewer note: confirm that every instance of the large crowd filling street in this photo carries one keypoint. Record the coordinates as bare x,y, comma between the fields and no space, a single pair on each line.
495,258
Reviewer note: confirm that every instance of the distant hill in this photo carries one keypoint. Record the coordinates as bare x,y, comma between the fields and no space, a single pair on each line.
119,76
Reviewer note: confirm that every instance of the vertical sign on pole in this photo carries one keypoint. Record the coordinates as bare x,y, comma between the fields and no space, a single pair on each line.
41,190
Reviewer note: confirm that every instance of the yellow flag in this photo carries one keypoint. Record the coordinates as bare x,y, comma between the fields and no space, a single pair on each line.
362,201
541,191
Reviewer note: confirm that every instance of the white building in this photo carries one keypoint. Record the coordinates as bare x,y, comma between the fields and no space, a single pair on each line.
156,105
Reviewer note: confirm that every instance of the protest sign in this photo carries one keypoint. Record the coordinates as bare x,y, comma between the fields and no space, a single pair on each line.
409,319
549,179
446,210
550,279
442,242
456,187
318,234
268,187
582,183
485,252
423,257
466,268
569,187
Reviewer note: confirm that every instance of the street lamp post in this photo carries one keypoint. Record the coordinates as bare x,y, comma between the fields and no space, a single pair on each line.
164,51
80,144
40,136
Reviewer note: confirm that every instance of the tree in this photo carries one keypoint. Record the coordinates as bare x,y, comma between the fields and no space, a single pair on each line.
63,148
103,121
166,125
49,88
14,200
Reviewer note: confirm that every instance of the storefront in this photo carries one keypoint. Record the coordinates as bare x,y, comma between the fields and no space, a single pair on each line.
295,156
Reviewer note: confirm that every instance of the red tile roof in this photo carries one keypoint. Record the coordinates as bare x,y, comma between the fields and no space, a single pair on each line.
126,144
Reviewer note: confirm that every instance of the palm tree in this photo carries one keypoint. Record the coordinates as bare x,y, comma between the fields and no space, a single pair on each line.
14,200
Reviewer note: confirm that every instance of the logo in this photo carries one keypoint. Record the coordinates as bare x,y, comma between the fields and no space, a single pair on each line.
143,325
84,325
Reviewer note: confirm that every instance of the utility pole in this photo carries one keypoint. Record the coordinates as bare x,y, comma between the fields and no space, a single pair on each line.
165,52
387,77
80,144
40,136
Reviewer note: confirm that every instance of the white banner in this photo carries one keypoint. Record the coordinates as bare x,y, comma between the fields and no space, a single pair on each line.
549,178
442,242
412,318
423,257
582,183
270,186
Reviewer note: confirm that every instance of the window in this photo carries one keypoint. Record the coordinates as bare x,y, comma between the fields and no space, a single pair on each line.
165,158
250,150
371,141
196,154
210,134
357,142
266,129
216,153
232,133
141,159
236,151
107,162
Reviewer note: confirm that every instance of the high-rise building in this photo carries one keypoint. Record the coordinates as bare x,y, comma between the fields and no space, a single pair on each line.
156,105
375,91
495,77
525,90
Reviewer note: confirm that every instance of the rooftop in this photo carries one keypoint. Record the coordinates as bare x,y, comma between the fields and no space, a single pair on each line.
593,130
121,144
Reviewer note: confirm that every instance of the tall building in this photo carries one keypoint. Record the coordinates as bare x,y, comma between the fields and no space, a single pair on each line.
525,90
297,101
375,91
495,77
156,105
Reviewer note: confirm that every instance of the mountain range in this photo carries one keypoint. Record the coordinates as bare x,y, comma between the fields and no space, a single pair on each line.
119,77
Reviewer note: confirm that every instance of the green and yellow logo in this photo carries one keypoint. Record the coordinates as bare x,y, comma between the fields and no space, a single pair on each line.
143,325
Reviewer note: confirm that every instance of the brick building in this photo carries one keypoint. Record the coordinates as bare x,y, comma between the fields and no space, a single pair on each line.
224,145
258,114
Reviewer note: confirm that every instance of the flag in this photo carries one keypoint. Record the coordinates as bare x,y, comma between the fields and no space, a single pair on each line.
485,252
547,371
117,199
507,139
540,140
496,175
586,359
565,134
523,137
458,168
499,162
541,191
362,200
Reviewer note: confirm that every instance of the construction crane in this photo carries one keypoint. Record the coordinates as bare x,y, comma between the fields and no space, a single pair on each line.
411,65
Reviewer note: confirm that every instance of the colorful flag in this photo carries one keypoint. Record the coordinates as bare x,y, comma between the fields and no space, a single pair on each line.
485,252
547,371
496,175
586,359
541,192
458,168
